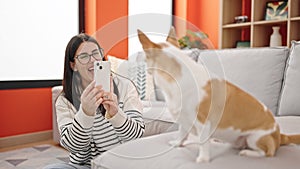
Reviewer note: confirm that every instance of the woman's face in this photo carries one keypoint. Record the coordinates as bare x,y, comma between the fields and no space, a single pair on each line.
84,62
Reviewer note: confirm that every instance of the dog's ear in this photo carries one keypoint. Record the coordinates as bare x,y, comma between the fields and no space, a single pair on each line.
146,42
172,38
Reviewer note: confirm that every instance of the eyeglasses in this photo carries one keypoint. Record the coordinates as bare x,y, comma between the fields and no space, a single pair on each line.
85,58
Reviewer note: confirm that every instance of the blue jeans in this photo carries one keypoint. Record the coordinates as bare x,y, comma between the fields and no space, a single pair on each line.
65,166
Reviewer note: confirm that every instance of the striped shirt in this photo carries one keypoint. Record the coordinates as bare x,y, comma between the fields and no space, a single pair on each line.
86,137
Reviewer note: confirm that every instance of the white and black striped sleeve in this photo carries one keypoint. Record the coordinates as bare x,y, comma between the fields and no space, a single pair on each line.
128,122
75,129
128,127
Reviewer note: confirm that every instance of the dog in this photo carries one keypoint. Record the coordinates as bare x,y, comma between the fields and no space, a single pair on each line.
210,107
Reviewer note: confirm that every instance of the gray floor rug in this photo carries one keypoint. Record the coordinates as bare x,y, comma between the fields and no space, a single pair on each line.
33,157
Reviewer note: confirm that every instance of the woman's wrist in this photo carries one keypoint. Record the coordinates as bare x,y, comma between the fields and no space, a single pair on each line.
87,112
118,119
109,115
85,120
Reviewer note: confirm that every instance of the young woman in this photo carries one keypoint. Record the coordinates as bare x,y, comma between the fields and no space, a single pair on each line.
90,120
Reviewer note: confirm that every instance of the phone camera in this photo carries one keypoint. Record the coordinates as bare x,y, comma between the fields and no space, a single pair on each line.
100,67
97,64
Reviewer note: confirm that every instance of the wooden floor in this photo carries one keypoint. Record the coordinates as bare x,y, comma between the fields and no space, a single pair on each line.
51,142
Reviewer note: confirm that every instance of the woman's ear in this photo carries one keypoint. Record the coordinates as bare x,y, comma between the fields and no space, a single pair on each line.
73,67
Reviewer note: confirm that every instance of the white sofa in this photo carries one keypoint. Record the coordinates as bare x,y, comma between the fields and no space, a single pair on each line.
270,74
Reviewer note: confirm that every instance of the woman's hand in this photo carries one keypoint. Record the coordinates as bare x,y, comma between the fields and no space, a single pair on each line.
91,98
110,101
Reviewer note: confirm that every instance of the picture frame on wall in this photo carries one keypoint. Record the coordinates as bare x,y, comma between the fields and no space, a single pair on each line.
276,10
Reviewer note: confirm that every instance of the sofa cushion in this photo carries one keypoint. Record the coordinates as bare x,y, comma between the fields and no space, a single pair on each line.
157,118
156,152
289,102
258,71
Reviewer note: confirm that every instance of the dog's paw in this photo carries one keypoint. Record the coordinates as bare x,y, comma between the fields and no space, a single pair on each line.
203,159
176,143
251,153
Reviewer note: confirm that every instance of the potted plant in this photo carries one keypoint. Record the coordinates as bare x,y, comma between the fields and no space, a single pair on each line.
193,40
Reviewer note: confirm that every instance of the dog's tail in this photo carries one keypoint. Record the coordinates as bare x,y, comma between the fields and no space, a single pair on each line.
289,139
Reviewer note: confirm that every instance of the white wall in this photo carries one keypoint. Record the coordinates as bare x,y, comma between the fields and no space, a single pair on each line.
33,37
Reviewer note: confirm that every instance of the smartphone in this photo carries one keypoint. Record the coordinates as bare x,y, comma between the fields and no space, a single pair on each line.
102,74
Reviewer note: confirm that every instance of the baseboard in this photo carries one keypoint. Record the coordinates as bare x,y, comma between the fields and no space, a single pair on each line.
25,138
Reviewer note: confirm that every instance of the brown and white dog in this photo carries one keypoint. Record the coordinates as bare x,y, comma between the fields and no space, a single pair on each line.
211,107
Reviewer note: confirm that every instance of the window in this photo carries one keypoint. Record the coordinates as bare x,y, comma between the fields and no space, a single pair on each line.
152,17
33,38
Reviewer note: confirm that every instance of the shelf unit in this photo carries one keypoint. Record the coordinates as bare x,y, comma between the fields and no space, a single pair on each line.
257,30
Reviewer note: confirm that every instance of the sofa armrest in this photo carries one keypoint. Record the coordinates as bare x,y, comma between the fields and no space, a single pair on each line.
56,90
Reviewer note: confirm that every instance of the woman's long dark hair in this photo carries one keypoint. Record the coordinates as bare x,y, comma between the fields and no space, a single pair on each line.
72,87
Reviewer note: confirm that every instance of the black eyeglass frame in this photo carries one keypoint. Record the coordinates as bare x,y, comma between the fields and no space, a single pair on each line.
101,50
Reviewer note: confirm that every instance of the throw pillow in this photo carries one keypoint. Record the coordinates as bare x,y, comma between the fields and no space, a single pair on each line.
118,65
289,101
137,72
193,53
143,80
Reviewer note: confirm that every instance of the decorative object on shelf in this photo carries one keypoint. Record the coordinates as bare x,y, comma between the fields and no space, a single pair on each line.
275,39
256,29
241,19
193,40
276,10
243,44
